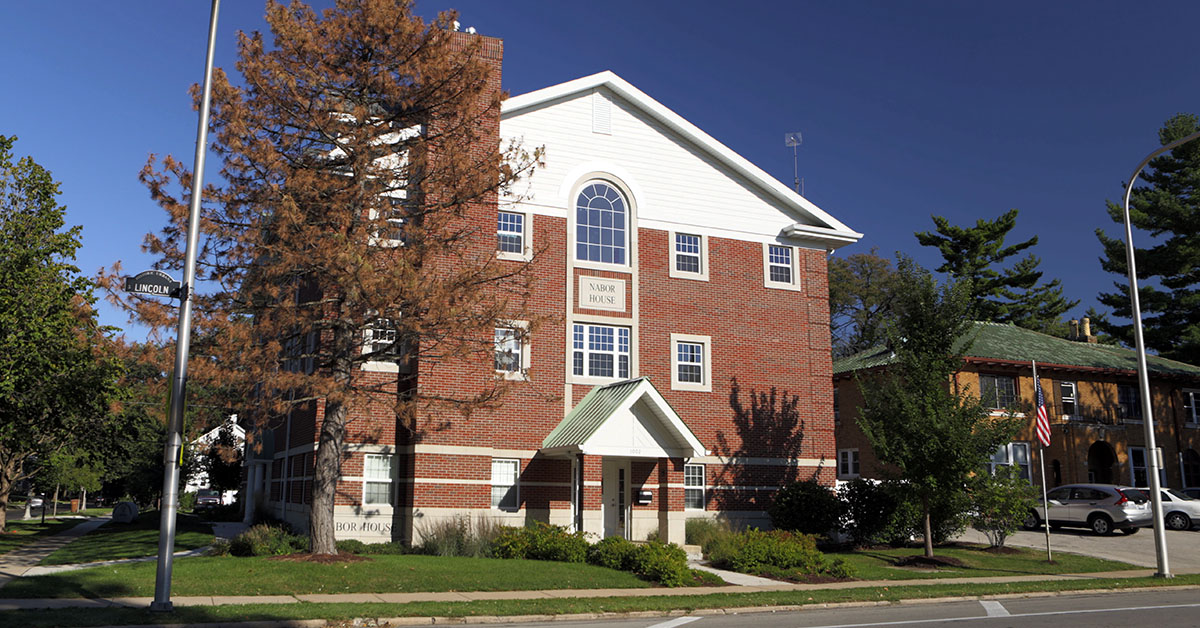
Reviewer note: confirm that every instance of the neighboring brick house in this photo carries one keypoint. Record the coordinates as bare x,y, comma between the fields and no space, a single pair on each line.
1097,432
683,368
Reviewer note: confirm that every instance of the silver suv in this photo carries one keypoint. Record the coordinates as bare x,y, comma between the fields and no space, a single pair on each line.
1100,507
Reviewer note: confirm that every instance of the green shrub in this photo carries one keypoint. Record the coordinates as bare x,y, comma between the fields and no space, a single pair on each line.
755,549
458,536
704,532
868,509
839,568
351,546
613,552
1001,503
806,507
888,512
267,540
392,548
665,564
187,501
541,541
220,547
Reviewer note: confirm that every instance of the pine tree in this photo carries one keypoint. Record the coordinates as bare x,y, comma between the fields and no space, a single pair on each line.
360,159
1167,209
1007,295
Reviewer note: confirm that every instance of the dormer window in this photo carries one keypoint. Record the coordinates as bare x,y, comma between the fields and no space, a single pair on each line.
601,219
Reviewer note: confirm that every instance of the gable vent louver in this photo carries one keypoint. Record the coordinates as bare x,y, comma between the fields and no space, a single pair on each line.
601,114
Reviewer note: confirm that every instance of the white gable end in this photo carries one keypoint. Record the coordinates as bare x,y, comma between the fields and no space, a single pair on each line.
678,176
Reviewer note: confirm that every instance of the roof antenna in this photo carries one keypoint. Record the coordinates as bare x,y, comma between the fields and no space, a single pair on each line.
795,140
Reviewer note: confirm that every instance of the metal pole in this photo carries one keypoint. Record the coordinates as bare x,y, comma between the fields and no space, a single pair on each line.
1042,465
1160,537
174,446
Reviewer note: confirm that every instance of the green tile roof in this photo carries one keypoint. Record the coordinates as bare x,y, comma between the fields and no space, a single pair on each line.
995,341
590,413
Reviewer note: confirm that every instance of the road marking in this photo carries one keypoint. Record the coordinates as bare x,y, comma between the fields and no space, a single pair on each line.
678,621
994,608
977,618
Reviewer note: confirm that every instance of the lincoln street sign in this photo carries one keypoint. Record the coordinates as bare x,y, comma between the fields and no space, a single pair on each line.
154,282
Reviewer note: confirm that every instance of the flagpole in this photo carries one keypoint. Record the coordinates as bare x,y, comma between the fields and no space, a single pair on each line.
1042,463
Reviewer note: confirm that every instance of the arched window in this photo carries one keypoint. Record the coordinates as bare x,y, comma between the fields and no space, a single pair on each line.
601,216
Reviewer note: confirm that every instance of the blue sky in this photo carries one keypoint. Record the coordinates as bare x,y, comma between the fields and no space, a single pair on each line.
908,109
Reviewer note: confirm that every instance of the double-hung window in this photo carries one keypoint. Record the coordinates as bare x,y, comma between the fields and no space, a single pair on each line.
998,392
1191,408
505,495
601,219
693,486
1129,403
600,351
379,336
510,235
690,362
1137,467
779,267
377,480
512,352
1012,454
848,463
1066,399
689,256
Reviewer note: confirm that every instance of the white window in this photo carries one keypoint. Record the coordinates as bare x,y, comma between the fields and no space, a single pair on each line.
389,227
848,463
998,392
505,489
511,240
689,256
601,225
600,351
691,358
1012,454
779,267
1066,399
1138,474
378,475
693,486
1191,408
512,350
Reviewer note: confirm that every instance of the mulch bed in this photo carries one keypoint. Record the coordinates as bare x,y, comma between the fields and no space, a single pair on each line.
324,559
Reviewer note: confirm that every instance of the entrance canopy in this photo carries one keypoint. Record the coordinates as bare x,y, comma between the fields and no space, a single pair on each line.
629,419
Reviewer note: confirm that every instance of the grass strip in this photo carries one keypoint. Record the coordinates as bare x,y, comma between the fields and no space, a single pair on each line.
381,574
22,532
568,606
114,541
880,564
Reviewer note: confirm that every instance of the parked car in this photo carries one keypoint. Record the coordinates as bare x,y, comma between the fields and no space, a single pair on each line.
207,498
1100,507
1193,492
35,502
1180,512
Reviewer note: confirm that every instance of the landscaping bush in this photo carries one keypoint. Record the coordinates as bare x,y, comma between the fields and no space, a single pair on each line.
187,501
458,536
1001,503
806,507
351,546
665,564
613,552
541,541
220,547
754,549
267,540
704,532
887,512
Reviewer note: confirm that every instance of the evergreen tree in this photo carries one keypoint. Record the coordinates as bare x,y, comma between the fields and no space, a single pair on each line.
1167,209
934,436
1007,295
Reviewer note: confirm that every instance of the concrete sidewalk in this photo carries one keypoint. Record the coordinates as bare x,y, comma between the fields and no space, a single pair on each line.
403,598
17,562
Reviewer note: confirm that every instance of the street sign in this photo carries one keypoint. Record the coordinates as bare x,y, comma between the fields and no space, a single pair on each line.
153,282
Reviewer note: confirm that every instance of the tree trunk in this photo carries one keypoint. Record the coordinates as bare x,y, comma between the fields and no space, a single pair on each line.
327,470
82,499
55,512
8,476
928,528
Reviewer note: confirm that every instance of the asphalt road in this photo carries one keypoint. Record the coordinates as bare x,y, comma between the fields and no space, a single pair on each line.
1183,546
1161,609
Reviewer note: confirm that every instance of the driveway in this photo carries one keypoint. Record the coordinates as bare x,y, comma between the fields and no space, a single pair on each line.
1183,546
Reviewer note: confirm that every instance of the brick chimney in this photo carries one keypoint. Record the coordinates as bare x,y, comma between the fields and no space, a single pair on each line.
1087,332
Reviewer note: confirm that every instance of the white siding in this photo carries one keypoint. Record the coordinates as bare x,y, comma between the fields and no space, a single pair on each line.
675,185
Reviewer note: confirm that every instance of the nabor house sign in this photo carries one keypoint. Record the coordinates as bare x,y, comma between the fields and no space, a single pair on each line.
597,293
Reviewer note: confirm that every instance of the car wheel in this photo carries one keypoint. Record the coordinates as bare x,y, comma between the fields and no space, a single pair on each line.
1100,524
1178,521
1128,531
1032,521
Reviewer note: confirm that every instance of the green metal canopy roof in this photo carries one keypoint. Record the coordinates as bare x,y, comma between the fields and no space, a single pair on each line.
630,400
1004,342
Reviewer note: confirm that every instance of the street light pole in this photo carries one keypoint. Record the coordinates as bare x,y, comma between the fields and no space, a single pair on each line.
1160,538
183,338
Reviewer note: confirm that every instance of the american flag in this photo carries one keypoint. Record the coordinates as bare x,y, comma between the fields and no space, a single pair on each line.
1043,422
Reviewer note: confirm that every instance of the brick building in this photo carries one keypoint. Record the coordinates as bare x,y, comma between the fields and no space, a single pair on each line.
683,368
1097,429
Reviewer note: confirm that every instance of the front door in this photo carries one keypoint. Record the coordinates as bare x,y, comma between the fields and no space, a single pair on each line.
614,490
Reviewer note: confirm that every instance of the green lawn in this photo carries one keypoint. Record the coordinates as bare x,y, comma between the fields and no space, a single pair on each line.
880,564
281,612
381,574
19,532
113,541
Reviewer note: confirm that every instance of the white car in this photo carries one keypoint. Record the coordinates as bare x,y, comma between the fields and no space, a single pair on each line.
1180,512
35,502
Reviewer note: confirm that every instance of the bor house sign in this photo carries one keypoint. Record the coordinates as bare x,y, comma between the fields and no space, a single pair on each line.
598,293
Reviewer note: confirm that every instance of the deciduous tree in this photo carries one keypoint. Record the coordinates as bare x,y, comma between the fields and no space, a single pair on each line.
57,375
354,225
862,288
933,435
1167,210
1000,295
